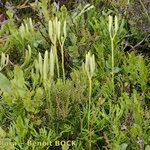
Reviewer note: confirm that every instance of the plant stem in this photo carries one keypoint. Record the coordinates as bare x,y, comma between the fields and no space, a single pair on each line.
62,57
89,110
57,63
112,62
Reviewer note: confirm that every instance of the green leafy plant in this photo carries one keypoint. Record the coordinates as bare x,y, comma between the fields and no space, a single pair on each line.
112,31
57,32
89,67
71,73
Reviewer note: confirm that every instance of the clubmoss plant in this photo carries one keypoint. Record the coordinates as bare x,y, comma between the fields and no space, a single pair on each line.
57,32
39,102
89,67
46,70
61,38
45,67
112,32
53,37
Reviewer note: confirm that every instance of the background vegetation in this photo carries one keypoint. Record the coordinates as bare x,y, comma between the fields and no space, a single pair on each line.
75,70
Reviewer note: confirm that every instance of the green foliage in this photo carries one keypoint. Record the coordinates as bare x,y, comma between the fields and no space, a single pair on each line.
4,83
137,71
67,75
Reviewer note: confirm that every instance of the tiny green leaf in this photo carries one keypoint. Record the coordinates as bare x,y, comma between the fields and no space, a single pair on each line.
4,83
